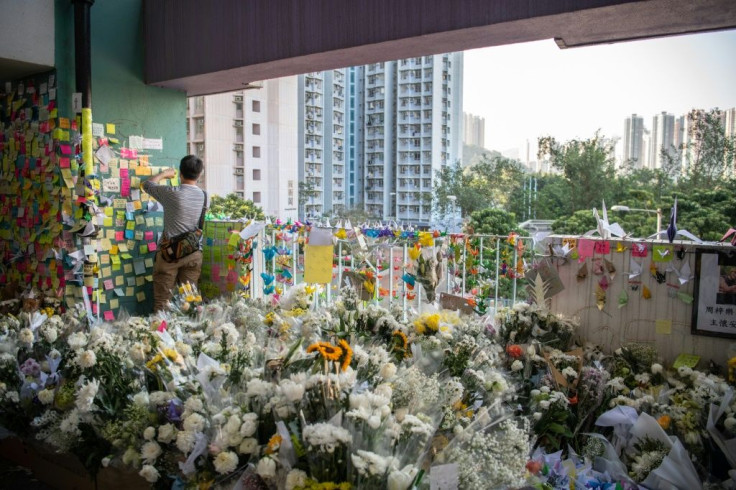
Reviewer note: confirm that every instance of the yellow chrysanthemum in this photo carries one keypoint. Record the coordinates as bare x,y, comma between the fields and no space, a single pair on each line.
426,239
273,444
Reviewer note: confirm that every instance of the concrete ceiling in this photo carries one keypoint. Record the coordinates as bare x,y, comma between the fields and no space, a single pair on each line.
211,47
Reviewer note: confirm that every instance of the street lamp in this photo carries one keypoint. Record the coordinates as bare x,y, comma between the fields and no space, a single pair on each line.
657,211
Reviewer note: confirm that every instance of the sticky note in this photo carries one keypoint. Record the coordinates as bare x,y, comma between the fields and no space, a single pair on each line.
663,327
689,360
110,128
119,281
109,315
152,247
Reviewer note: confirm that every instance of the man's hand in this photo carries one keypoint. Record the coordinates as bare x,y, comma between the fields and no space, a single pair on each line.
164,174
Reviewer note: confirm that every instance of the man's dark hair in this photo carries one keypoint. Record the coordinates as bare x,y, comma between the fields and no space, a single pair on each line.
191,167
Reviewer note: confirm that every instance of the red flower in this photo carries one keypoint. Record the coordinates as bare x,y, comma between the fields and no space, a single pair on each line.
573,400
514,351
534,467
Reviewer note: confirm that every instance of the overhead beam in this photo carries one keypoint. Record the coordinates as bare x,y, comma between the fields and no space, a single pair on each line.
210,47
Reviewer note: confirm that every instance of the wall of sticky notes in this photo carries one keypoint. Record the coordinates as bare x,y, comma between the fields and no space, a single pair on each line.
221,270
36,186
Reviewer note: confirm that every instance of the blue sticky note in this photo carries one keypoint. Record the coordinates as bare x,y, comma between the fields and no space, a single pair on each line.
129,234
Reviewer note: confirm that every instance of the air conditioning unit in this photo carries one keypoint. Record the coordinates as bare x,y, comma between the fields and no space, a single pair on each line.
238,171
238,98
238,124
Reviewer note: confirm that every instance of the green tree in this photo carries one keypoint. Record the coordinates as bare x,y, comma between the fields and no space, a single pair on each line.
586,165
234,207
580,222
492,221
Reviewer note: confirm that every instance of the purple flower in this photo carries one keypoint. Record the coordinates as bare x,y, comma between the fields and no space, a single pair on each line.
30,367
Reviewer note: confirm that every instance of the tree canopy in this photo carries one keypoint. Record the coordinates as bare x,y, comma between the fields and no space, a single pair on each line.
234,207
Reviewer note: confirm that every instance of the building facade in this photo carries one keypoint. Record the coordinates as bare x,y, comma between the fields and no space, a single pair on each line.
369,137
248,142
634,151
474,130
662,138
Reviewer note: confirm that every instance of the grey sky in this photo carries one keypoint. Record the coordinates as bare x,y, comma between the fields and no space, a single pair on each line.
533,89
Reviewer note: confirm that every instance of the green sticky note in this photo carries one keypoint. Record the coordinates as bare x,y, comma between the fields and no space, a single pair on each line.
689,360
234,239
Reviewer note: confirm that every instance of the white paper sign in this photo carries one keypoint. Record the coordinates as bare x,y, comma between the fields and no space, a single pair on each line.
104,154
111,185
77,102
153,143
98,129
135,142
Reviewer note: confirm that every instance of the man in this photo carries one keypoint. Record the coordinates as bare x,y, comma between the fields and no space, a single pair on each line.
182,209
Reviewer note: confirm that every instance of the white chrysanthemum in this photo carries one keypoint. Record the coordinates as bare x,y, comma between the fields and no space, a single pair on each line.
141,398
291,390
194,423
149,473
149,433
517,365
77,340
248,446
185,441
46,397
295,479
194,404
70,423
183,349
166,433
226,462
657,368
388,371
150,451
401,479
25,336
266,467
86,395
49,333
137,352
250,424
729,423
86,359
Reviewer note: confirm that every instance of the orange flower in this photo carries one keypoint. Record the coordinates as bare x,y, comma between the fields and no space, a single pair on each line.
664,421
273,444
348,354
573,400
327,350
514,351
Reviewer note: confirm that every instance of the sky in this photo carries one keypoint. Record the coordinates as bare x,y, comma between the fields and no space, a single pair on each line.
534,89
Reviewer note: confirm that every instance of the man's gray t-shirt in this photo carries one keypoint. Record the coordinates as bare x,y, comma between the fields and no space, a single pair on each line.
182,206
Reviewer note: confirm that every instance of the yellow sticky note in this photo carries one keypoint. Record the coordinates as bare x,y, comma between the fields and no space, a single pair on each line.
149,262
139,281
110,128
128,268
107,221
129,291
141,296
663,327
119,281
106,271
318,263
114,250
689,360
108,211
114,303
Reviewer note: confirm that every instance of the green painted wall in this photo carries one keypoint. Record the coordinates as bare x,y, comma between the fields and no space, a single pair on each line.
119,95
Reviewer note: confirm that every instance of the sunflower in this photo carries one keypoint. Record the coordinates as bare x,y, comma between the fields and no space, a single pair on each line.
401,343
327,350
347,354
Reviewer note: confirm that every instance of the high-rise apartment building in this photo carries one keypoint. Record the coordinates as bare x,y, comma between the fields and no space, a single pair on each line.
370,137
412,127
474,130
662,138
634,141
248,142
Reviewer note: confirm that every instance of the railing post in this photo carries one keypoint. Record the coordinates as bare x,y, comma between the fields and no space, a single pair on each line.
498,259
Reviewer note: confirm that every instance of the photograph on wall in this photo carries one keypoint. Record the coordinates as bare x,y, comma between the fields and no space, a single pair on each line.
714,309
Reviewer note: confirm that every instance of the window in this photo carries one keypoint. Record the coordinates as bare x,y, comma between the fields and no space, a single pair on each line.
256,152
256,106
256,174
256,197
256,129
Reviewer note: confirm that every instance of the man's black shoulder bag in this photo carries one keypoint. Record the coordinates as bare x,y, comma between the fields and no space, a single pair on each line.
178,247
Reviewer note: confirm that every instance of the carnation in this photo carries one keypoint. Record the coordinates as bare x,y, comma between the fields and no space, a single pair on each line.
77,340
194,423
166,433
149,433
248,446
517,365
150,451
149,473
185,441
266,467
46,396
226,462
388,370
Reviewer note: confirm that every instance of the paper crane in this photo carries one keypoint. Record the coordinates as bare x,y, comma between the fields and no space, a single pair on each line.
672,232
603,227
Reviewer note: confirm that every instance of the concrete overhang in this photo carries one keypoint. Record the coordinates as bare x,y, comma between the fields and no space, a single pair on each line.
217,46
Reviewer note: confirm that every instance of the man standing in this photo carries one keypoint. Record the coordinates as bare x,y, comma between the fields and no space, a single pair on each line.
182,209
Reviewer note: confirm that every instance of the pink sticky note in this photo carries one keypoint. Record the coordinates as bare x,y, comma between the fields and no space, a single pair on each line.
108,284
162,326
148,235
119,236
123,173
152,246
109,315
602,248
64,162
585,249
65,149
